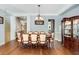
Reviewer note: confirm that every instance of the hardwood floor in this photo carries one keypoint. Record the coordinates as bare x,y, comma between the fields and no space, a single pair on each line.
12,48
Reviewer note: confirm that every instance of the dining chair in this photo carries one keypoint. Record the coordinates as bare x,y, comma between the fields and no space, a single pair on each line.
50,38
51,43
34,40
36,32
30,32
19,37
42,40
25,40
42,32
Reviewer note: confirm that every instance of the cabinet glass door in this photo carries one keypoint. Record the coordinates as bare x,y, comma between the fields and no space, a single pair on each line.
76,28
67,28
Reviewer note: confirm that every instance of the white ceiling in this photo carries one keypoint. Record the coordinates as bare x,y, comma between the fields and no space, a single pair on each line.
46,9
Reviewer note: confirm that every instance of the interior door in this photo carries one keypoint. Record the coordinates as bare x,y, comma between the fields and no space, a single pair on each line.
7,31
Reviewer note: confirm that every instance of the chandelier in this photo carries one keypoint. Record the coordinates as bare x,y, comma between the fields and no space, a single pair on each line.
39,20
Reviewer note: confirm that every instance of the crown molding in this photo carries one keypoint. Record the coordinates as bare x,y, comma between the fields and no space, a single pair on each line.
33,14
65,9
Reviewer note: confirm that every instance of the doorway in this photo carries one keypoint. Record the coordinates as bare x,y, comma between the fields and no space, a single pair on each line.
51,27
21,24
7,30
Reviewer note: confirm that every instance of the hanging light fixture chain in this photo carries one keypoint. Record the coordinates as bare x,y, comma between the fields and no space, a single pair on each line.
39,12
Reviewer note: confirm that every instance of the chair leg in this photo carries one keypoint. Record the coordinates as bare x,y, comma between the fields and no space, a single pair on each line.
42,45
33,45
36,45
22,45
19,44
39,45
52,45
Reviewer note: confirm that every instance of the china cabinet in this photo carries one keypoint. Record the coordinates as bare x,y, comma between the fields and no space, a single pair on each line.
70,33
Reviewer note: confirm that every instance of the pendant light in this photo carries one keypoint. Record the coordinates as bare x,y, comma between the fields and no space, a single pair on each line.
39,20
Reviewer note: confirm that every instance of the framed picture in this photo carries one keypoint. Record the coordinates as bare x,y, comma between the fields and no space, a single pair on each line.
1,20
39,22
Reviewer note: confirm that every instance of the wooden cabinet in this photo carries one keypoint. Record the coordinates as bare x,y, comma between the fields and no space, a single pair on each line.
70,33
67,42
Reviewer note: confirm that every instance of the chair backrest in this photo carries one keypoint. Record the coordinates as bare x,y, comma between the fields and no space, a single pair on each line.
33,37
36,32
19,36
42,37
25,37
49,34
30,32
52,35
42,32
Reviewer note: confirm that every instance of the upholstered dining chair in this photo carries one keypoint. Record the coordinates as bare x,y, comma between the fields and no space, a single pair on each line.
19,37
52,41
42,32
36,32
30,32
42,40
50,38
25,39
34,40
53,35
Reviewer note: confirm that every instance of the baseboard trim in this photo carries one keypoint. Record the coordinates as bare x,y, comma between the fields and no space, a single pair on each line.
2,43
59,40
